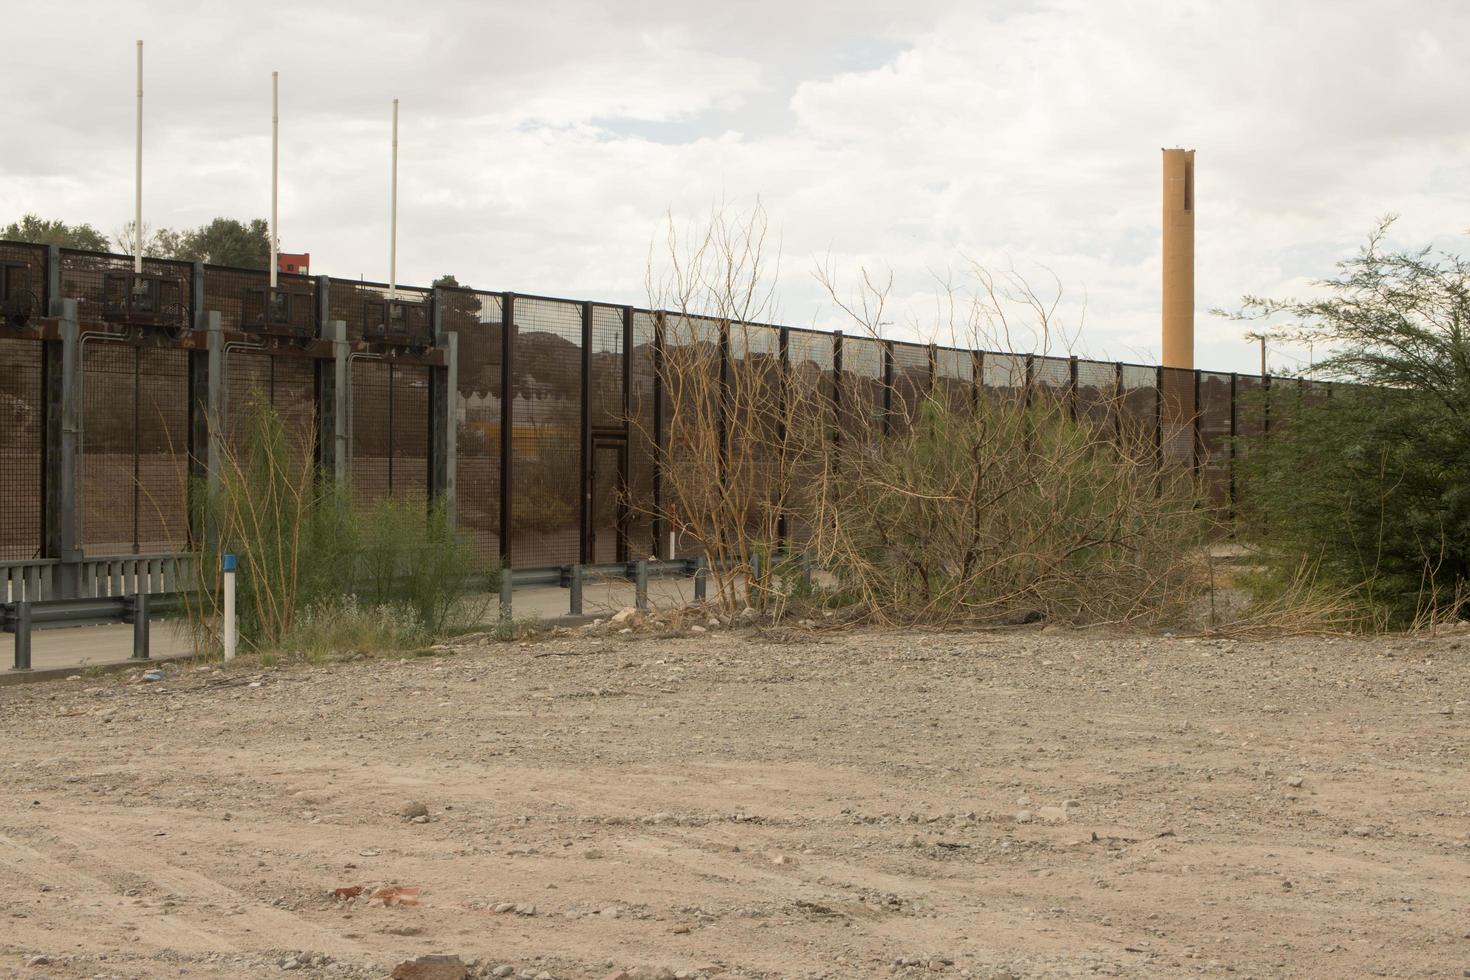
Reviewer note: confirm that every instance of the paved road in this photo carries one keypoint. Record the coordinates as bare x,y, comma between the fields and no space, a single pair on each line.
83,646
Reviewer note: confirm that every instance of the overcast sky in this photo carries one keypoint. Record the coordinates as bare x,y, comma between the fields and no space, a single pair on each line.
543,142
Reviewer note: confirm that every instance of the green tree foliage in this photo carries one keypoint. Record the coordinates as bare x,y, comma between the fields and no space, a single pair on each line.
45,231
223,241
1372,485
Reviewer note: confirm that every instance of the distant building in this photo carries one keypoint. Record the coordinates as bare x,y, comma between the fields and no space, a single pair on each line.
296,263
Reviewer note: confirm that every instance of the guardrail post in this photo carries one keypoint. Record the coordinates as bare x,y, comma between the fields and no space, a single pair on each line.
22,636
701,579
806,569
640,584
139,603
506,585
575,607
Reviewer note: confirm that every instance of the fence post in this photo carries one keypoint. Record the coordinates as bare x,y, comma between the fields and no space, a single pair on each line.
443,414
1072,387
887,388
507,585
62,449
22,636
584,443
701,578
836,395
1159,418
507,435
660,519
1199,435
138,604
783,372
334,395
1234,388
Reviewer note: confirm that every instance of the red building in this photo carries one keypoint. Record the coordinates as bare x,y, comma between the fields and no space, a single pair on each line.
296,263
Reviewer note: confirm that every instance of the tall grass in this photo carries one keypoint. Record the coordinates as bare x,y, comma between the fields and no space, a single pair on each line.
307,559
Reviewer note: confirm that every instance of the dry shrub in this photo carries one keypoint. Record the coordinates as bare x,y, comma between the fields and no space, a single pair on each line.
1009,512
947,508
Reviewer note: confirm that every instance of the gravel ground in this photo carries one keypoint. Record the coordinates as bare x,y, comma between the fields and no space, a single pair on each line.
739,804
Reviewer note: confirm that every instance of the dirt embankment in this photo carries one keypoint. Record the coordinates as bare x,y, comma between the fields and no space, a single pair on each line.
737,805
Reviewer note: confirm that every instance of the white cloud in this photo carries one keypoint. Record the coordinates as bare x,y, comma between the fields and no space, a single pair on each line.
543,143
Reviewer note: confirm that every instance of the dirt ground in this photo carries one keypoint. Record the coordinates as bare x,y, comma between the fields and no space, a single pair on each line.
732,804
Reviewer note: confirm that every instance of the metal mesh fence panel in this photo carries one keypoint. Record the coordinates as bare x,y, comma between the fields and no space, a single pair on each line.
1096,390
477,319
955,377
390,432
546,416
812,368
641,438
372,432
1051,377
910,382
22,440
606,361
692,409
862,391
1003,375
409,476
1177,418
163,449
82,275
134,449
754,383
1214,432
1139,407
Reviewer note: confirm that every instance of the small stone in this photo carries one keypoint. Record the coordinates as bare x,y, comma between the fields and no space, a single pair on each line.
543,975
1053,814
1024,816
1295,782
421,818
713,621
681,930
783,859
592,855
434,967
1072,804
628,615
503,970
39,961
1362,831
152,675
698,629
413,809
503,907
525,909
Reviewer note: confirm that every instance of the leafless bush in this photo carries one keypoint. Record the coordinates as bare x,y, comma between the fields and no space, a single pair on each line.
923,502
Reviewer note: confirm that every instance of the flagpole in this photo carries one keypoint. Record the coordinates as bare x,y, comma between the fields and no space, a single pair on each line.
275,167
138,173
393,216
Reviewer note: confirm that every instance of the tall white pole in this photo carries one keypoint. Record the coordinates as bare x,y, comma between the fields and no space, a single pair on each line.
275,164
138,174
393,218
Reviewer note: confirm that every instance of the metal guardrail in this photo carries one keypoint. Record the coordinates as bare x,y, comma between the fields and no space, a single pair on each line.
24,616
39,579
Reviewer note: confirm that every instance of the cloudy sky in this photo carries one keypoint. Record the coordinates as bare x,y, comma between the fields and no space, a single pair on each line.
542,143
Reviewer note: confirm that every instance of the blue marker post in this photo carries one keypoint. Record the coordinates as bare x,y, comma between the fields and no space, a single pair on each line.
229,573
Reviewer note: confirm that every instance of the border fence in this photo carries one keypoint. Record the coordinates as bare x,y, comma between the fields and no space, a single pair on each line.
540,421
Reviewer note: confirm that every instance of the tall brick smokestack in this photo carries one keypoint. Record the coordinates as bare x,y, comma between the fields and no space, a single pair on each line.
1178,289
